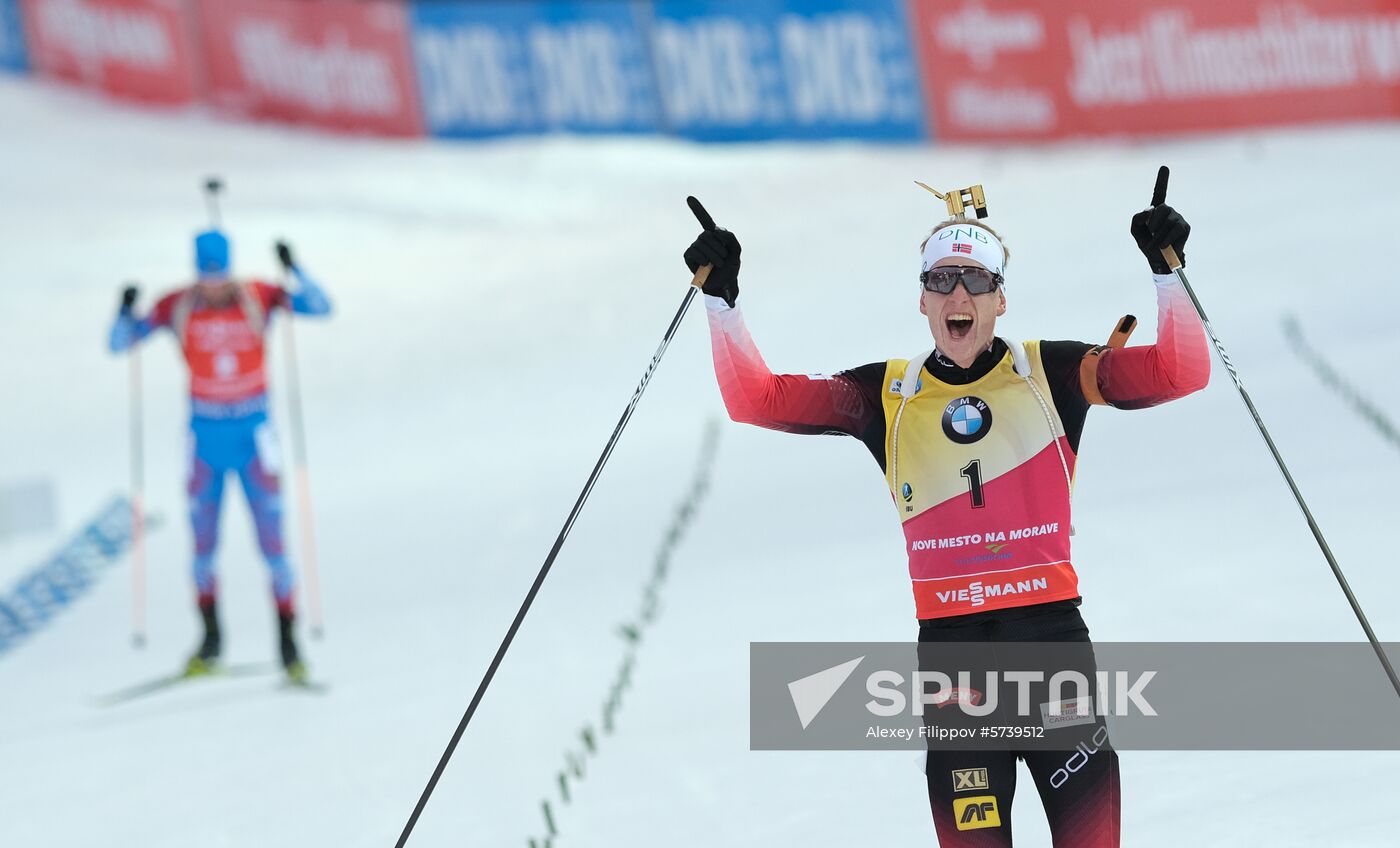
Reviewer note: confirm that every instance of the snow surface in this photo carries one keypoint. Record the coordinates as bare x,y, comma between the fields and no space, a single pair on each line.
496,303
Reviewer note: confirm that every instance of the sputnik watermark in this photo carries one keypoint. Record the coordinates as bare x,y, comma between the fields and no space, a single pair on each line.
1059,696
1070,693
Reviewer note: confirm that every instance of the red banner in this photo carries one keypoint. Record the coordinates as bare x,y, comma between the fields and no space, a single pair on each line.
1034,69
138,49
334,64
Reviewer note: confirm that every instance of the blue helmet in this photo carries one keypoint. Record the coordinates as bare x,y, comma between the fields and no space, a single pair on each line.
211,254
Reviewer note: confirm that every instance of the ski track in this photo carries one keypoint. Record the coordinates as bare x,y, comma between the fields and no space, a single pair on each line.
496,303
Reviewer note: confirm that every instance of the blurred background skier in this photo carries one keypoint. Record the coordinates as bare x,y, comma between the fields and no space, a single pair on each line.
220,324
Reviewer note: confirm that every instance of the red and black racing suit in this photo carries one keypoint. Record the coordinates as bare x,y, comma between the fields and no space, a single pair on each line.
1080,795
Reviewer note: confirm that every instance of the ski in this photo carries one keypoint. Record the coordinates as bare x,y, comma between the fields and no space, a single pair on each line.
310,687
160,684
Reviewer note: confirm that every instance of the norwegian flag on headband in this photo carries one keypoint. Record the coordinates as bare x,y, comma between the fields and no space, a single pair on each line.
959,247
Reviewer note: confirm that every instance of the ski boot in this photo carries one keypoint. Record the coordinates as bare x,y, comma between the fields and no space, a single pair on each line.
291,658
207,657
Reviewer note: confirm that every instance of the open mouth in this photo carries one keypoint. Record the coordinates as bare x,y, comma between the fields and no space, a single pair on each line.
959,324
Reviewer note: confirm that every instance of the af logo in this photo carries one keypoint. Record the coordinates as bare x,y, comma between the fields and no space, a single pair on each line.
976,812
969,779
967,420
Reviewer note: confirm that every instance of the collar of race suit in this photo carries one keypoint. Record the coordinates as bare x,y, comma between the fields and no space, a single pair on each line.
951,372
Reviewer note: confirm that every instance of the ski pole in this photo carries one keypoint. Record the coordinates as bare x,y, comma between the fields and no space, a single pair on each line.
138,494
1159,196
302,478
212,187
697,282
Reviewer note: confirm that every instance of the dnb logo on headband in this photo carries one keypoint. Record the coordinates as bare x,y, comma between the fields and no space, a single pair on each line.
967,419
965,241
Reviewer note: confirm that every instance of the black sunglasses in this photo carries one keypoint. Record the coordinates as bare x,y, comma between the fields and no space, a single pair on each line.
944,279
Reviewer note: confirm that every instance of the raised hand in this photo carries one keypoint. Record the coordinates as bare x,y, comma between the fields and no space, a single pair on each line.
1160,226
720,250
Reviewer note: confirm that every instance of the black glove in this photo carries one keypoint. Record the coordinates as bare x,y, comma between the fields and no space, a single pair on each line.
128,300
720,249
284,255
1159,226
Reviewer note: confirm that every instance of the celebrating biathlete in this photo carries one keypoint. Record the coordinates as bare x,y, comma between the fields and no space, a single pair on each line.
980,435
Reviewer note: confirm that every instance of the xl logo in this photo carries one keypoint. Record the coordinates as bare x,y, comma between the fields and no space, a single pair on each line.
966,779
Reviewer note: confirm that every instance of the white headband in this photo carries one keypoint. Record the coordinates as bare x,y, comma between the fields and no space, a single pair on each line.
966,241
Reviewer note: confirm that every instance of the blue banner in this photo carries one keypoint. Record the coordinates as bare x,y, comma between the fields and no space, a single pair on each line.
56,583
12,53
489,68
787,69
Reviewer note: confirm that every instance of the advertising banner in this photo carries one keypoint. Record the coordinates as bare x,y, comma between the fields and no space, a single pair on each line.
337,65
12,56
136,49
1037,69
31,604
773,69
502,67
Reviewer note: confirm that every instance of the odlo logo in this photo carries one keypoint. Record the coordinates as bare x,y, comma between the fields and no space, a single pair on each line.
976,812
1080,758
967,420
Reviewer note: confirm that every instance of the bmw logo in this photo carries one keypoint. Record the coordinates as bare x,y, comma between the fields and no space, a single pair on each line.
967,420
